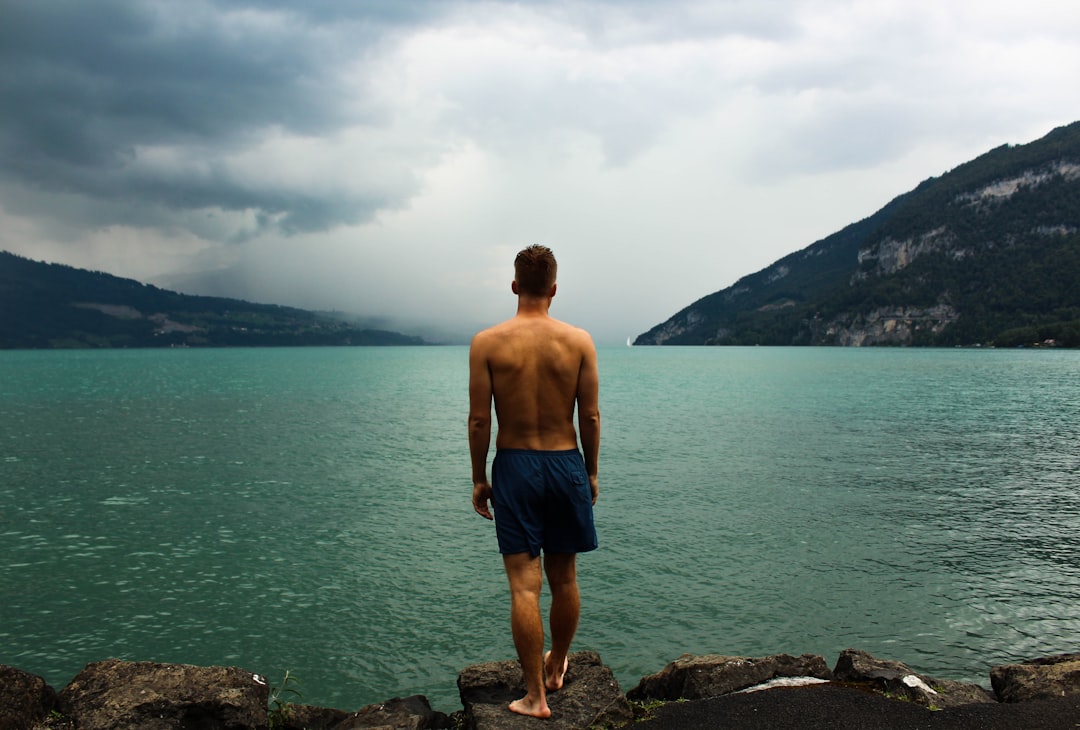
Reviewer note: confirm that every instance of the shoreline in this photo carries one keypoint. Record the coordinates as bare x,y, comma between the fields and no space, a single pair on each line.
113,693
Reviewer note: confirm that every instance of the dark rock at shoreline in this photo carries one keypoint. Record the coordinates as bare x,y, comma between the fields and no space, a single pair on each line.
832,706
590,696
693,691
310,717
698,677
408,713
896,679
118,695
25,699
1049,677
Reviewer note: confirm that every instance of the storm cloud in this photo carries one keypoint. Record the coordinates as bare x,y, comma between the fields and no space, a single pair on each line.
171,105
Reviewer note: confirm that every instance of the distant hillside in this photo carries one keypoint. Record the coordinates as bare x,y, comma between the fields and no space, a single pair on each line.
988,253
56,306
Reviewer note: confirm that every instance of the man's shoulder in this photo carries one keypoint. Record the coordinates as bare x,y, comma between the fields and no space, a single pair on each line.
579,333
491,332
488,340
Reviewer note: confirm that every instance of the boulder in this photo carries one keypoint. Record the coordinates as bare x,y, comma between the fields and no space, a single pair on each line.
590,696
290,716
25,699
410,713
119,695
693,677
896,679
1053,676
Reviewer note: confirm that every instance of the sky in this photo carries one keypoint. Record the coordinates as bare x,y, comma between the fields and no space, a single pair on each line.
388,158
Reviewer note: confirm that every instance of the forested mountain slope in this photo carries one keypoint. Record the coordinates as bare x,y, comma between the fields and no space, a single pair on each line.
55,306
988,253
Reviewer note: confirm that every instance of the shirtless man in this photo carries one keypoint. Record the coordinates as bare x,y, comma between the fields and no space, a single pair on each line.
543,488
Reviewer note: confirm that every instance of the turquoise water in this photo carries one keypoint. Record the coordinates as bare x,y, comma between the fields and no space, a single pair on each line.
308,509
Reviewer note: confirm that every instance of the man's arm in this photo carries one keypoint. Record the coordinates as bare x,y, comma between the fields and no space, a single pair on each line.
480,393
588,405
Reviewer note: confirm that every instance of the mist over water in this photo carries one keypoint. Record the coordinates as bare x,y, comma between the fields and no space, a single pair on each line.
308,509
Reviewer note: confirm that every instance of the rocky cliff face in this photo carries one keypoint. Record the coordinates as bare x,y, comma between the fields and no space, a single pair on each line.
890,256
887,325
676,327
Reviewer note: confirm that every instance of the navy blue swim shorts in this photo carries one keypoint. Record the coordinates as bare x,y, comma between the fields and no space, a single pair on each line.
542,501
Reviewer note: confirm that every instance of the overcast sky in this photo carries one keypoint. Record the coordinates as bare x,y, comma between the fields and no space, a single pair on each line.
389,157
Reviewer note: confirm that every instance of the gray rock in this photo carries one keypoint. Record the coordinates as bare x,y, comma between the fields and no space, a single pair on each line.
897,680
410,713
118,695
590,696
25,699
693,677
1045,678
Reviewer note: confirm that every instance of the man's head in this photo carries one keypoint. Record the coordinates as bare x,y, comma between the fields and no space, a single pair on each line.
534,271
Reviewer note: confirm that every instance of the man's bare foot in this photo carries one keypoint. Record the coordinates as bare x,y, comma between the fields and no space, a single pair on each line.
554,680
526,706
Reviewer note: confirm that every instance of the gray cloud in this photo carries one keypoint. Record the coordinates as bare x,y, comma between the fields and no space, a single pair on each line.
88,88
85,86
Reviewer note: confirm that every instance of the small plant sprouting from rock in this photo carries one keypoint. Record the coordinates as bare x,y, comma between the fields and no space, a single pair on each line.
280,707
643,709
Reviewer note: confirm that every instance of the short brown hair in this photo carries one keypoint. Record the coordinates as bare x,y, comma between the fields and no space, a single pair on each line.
534,270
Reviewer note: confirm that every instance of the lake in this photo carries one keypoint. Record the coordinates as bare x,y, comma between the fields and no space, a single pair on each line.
309,510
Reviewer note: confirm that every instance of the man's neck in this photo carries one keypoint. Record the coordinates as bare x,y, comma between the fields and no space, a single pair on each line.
533,306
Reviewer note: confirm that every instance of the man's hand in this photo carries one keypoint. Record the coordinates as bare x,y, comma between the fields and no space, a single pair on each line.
481,496
594,485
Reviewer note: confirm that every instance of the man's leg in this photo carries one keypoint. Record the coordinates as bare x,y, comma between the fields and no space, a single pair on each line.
526,580
561,571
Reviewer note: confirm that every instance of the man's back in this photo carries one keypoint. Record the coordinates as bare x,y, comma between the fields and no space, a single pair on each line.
535,366
537,369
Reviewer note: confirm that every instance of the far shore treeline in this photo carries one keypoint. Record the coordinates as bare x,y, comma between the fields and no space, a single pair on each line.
46,306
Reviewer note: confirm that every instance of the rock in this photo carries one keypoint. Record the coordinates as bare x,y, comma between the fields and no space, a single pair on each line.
292,716
590,696
896,679
25,699
410,713
693,677
118,695
1045,678
784,682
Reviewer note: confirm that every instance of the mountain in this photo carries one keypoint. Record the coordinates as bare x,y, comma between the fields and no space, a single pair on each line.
56,306
986,254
